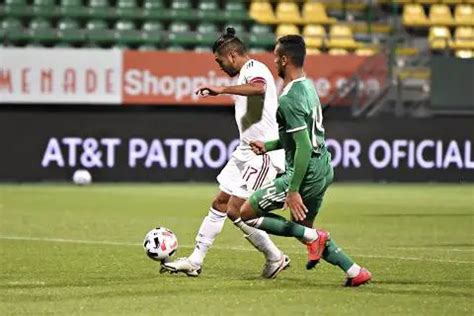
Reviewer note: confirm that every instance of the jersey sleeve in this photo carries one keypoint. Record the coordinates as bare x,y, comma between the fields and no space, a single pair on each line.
293,114
254,73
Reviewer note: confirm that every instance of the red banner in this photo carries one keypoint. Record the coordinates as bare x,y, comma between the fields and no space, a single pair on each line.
164,78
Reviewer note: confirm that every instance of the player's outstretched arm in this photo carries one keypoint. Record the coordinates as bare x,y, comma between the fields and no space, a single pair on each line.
260,147
248,89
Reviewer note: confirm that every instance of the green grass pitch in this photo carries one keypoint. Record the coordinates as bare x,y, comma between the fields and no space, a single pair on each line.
77,250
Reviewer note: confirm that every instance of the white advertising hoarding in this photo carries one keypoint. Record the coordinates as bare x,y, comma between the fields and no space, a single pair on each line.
41,75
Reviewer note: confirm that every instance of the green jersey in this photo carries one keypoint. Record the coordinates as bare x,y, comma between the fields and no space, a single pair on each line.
299,108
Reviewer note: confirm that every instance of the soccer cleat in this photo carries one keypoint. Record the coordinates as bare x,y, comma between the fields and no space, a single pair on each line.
272,268
316,248
363,277
181,265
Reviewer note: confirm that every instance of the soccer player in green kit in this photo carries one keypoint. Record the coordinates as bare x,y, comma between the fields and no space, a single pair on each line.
308,167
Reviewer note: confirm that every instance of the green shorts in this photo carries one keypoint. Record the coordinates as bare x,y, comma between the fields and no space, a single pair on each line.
319,176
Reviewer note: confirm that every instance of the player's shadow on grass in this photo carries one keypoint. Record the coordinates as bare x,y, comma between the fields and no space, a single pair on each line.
422,215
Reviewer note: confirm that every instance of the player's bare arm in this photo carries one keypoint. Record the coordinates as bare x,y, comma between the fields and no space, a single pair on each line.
260,147
248,89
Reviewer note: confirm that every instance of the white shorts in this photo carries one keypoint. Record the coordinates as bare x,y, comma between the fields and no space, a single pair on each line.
242,178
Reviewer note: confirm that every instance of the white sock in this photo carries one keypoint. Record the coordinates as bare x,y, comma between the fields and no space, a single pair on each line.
310,235
353,271
260,240
211,226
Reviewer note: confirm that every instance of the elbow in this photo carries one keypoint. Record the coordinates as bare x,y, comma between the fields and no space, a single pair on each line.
261,91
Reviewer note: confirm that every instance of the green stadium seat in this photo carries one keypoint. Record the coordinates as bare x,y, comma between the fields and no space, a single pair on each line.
127,34
262,36
147,47
235,11
179,34
62,45
42,32
14,31
203,49
208,11
101,9
17,8
154,9
70,32
175,48
207,34
128,9
97,33
181,10
73,9
45,8
152,33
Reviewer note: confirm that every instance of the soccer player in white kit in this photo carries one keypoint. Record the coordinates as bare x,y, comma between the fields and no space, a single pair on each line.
255,113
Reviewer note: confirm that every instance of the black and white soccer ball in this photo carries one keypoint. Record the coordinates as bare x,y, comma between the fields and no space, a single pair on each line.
160,243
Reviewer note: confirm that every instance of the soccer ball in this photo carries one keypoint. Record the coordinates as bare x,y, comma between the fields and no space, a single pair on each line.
82,177
160,243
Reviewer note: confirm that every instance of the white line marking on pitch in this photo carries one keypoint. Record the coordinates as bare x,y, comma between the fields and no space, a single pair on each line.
116,243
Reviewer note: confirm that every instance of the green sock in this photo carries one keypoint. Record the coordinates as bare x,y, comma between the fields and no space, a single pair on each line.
334,255
280,226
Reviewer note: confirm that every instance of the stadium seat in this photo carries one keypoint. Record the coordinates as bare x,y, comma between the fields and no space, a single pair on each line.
101,9
257,50
464,15
128,9
179,34
98,33
154,9
147,47
175,48
440,15
14,31
464,53
288,12
152,33
235,11
69,32
414,16
206,34
315,12
463,38
340,36
451,1
181,10
202,49
286,29
126,34
45,8
262,12
17,8
42,31
439,38
365,51
338,52
73,9
427,1
261,36
208,11
314,35
312,51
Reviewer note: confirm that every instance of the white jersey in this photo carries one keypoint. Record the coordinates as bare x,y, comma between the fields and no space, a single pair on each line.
256,115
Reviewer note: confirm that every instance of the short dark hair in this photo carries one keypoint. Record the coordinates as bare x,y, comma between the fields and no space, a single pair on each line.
228,41
294,47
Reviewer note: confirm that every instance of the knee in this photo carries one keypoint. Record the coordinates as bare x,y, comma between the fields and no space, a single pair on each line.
233,211
220,203
246,212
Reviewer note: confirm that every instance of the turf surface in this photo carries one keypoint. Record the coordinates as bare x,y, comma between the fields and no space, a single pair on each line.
77,250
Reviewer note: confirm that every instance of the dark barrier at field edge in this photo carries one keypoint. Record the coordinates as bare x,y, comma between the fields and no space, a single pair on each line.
183,145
